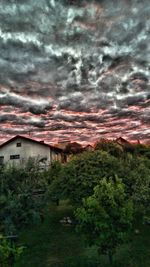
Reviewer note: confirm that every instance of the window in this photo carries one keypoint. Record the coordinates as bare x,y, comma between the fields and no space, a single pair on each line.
1,160
18,144
14,156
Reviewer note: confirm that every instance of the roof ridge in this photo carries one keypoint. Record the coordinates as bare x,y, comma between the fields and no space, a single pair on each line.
29,139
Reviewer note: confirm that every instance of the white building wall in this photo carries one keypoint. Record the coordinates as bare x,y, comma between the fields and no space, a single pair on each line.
28,149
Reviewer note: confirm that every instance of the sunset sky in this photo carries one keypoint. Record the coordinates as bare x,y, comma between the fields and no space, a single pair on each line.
76,70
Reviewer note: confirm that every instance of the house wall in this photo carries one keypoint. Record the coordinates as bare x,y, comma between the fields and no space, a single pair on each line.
26,150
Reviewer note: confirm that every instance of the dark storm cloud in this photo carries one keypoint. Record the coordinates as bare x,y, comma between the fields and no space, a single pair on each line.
125,113
22,120
7,117
75,56
75,118
37,106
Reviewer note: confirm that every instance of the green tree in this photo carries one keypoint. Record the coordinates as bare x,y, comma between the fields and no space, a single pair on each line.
19,203
54,191
111,147
135,174
73,148
78,177
106,217
142,150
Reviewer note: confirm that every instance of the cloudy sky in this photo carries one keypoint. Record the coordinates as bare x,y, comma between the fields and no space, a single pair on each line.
75,70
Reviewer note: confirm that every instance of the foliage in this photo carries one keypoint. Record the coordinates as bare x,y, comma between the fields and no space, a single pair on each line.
73,148
53,174
106,216
135,173
79,176
140,150
111,147
117,150
9,252
76,179
54,171
53,244
19,203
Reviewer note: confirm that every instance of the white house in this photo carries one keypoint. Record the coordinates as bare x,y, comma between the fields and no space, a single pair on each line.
19,149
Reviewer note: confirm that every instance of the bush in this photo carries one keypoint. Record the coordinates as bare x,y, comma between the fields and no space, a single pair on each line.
9,253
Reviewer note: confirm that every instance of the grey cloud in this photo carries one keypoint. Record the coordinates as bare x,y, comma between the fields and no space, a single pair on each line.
140,76
135,100
34,106
22,120
75,118
83,55
7,117
73,102
140,136
123,113
38,123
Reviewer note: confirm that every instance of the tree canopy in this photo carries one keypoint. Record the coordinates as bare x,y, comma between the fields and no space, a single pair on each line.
78,177
106,217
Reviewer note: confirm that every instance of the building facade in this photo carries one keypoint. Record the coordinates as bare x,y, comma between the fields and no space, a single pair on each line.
20,149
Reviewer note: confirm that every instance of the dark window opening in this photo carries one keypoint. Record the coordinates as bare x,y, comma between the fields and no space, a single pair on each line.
14,156
18,144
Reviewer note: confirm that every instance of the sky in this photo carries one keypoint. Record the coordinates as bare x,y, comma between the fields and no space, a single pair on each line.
75,70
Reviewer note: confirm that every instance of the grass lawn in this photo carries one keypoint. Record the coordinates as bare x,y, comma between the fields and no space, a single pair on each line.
50,244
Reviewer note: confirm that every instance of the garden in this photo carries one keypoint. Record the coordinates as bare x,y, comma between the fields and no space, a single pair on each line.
105,194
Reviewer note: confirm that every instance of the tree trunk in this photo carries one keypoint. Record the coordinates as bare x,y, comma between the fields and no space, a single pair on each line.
11,260
110,256
57,201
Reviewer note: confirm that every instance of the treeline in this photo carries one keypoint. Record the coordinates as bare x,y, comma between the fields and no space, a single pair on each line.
76,179
109,189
